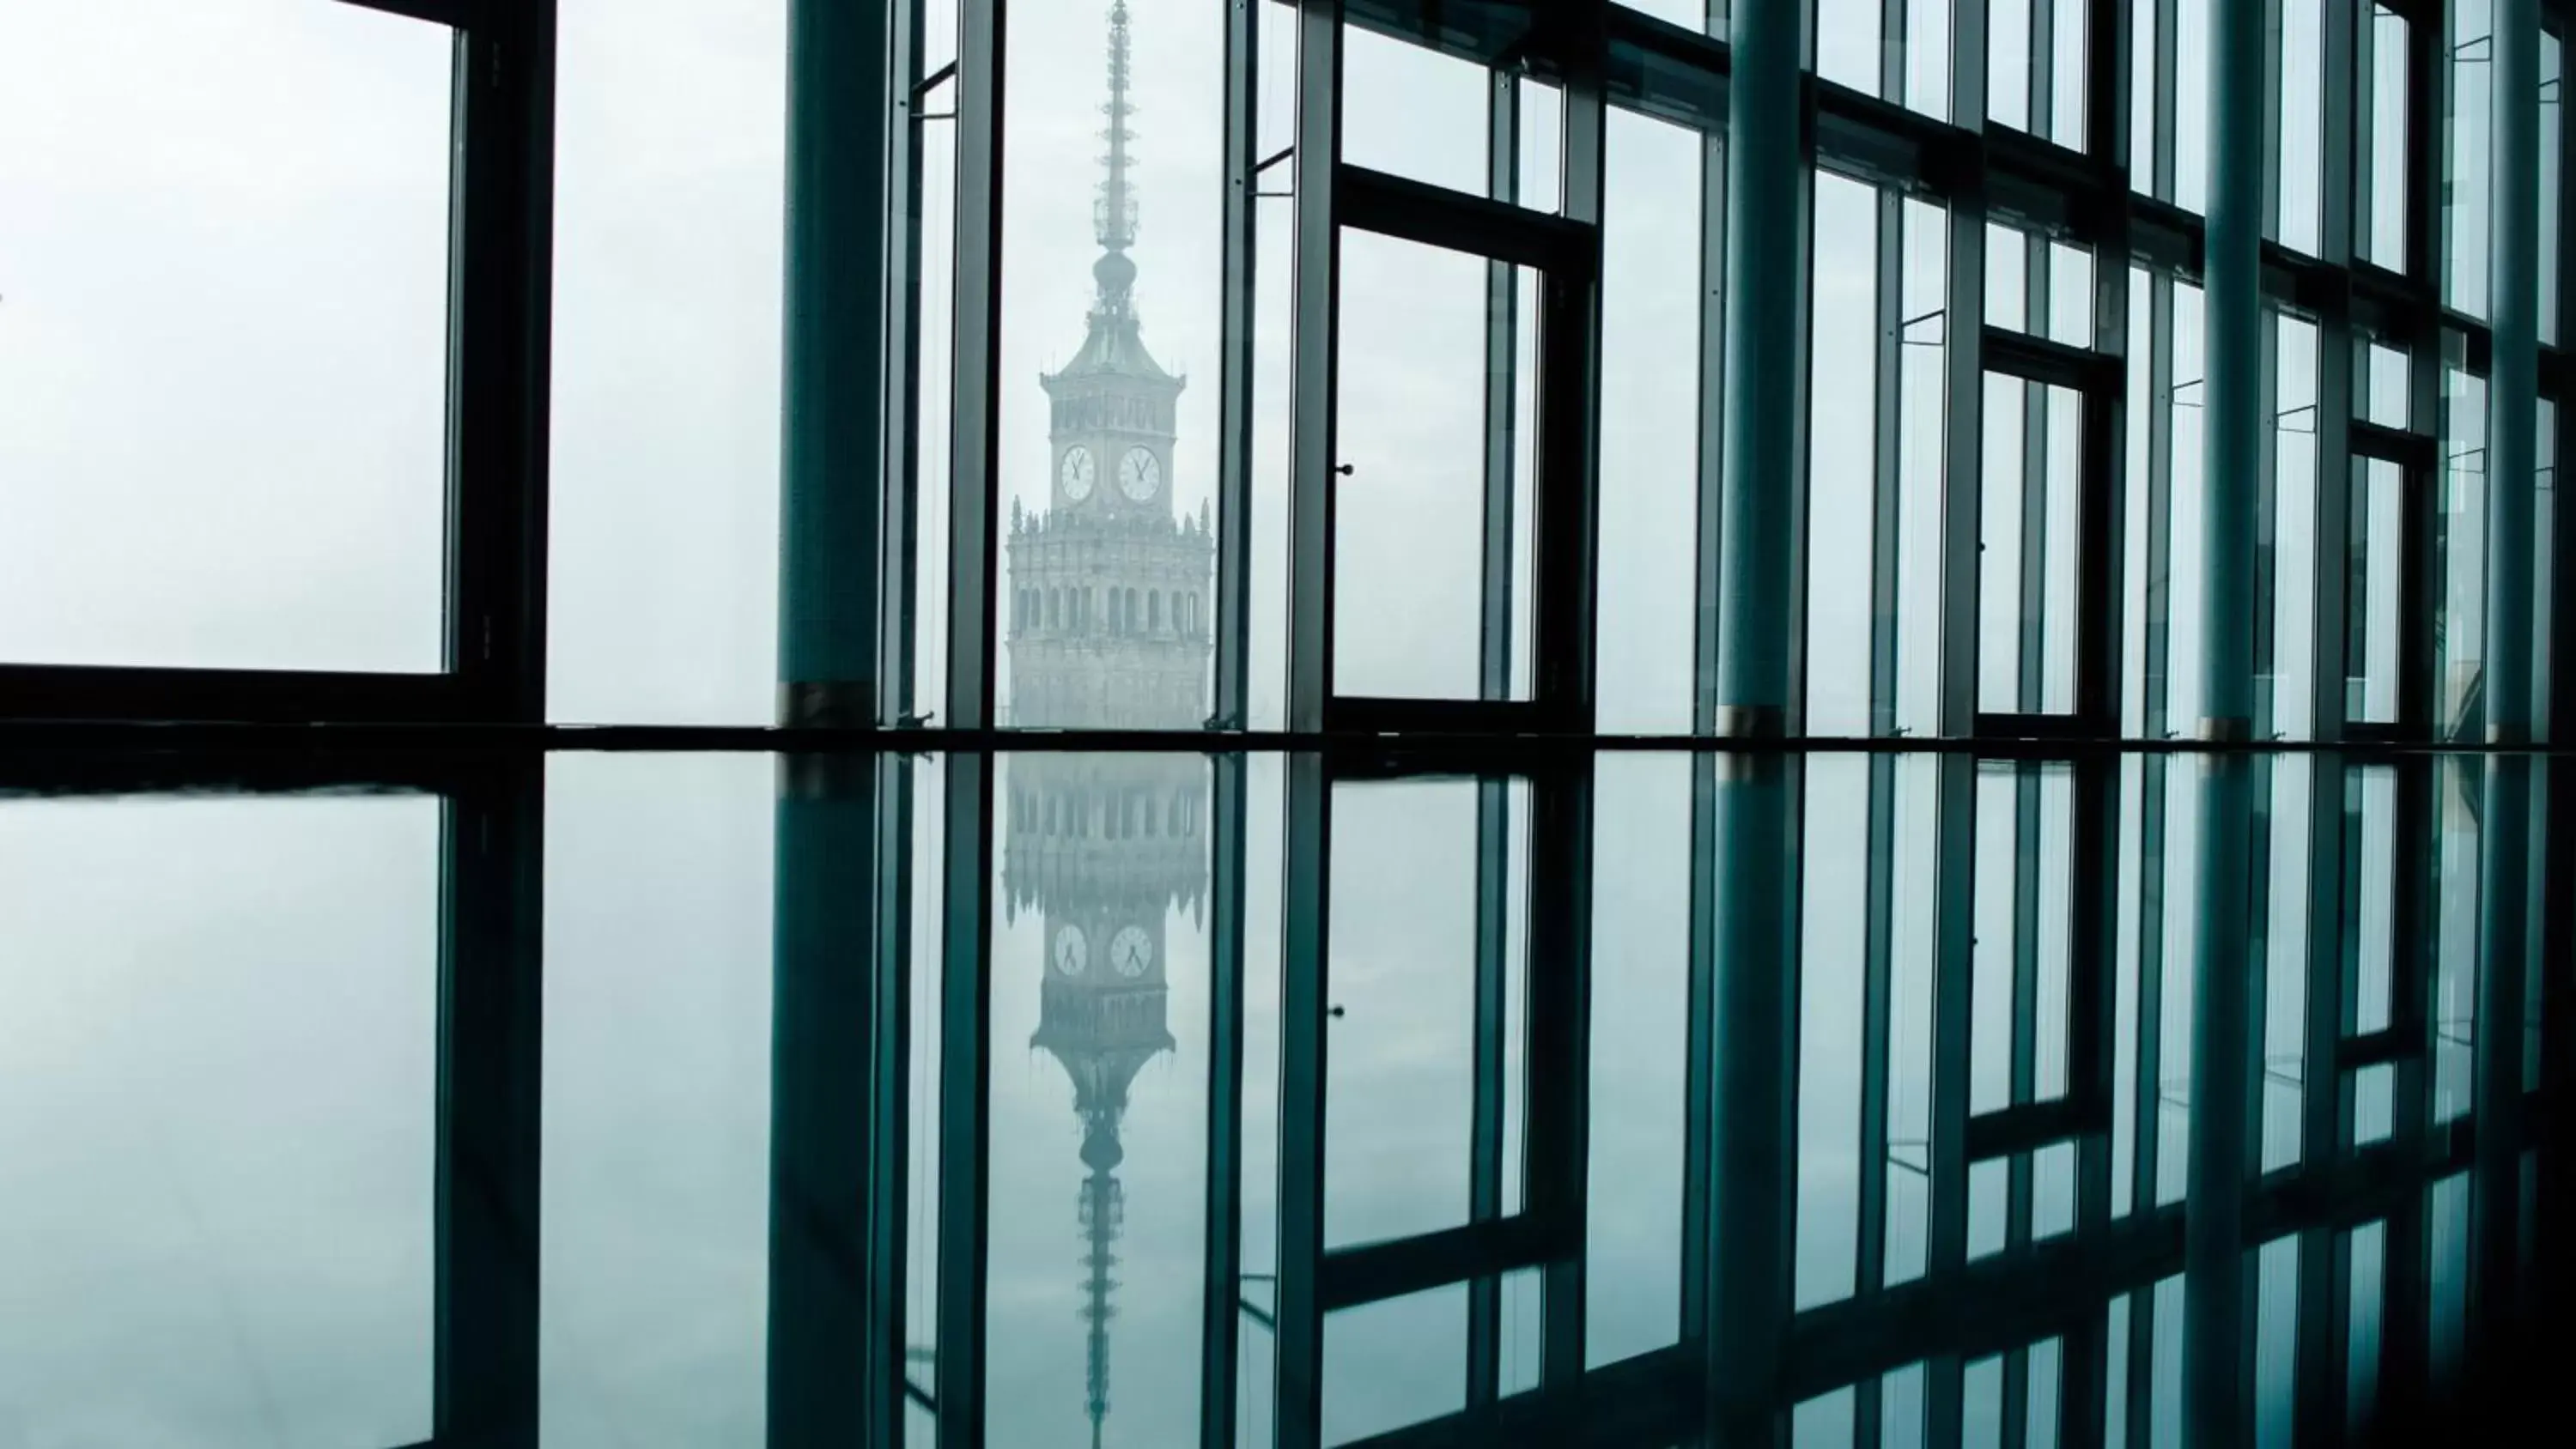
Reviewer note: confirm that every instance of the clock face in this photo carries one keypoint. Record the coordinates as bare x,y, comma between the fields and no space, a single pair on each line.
1077,473
1139,474
1072,952
1131,951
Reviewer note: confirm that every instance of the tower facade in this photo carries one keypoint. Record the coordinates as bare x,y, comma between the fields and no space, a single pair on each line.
1109,595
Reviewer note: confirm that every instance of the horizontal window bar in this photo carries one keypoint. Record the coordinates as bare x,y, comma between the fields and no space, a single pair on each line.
1417,211
1353,1276
2034,1125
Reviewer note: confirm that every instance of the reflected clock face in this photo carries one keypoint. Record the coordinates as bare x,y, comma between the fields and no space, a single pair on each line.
1131,951
1139,474
1077,473
1072,953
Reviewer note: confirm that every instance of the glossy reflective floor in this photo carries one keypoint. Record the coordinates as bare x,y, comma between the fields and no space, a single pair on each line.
1159,1098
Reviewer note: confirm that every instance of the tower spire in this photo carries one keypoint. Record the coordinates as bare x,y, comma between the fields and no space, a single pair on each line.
1113,216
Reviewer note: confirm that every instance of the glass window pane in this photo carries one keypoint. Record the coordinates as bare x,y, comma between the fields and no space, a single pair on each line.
2008,68
1927,57
1921,422
2380,213
2372,597
223,365
216,1148
2191,104
1842,456
2300,94
1847,43
2466,203
2026,586
2290,673
2386,386
2070,295
1650,410
670,182
1112,272
1409,510
1406,109
2459,559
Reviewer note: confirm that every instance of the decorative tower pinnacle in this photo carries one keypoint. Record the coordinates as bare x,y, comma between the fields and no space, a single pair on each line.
1113,216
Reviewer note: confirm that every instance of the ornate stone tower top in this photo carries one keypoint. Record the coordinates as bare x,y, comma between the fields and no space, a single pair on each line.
1110,608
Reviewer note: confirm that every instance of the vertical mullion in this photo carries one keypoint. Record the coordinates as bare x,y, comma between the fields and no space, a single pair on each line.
1494,852
1503,322
490,1044
1500,603
1238,362
1315,311
2022,1044
2319,1359
897,588
1887,436
974,446
2274,55
965,1012
2147,1088
1955,822
1877,965
2163,104
1952,1004
2043,74
1304,906
498,357
2157,595
1568,443
2091,1054
1220,1314
2342,125
1963,439
1559,1017
1699,1051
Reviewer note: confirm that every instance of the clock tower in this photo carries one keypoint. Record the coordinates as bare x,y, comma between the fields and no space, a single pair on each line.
1109,626
1110,607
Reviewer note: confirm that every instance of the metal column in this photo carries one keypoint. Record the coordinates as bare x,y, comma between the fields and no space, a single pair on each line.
848,114
837,1146
2225,987
1763,332
835,1371
1752,1114
2504,936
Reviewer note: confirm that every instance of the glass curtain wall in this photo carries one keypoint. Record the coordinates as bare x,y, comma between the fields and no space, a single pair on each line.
1140,366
